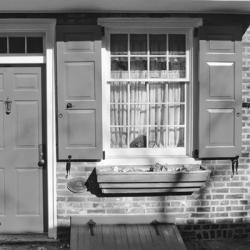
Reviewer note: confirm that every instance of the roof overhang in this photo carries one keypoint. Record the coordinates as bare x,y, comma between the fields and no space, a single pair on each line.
183,6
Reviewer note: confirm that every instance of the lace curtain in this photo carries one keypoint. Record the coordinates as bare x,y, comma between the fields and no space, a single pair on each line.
142,116
148,114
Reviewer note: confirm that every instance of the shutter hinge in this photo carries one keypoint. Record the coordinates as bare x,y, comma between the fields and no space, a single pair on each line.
195,154
235,165
68,166
103,155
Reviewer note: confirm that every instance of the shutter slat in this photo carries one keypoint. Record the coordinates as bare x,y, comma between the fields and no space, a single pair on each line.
79,84
220,93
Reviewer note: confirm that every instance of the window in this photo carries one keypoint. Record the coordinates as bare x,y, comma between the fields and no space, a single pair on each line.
13,44
147,89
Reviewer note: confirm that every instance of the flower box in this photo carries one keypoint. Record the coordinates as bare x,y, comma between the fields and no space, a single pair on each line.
113,182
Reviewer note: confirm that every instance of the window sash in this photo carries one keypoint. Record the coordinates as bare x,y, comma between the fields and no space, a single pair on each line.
149,56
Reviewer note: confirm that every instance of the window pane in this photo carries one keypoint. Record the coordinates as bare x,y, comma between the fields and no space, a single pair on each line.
179,137
118,92
157,137
119,67
138,93
176,137
119,44
177,67
138,44
137,137
138,115
34,45
158,66
157,44
176,114
118,114
176,92
158,115
3,44
177,44
119,137
158,92
179,118
16,44
138,67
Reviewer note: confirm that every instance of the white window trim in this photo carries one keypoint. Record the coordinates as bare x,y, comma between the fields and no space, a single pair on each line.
47,28
118,25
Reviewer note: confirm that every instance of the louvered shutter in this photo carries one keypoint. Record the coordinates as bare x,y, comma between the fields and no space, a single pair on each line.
79,92
220,63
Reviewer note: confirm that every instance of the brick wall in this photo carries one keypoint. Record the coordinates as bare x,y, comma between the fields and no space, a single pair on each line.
221,209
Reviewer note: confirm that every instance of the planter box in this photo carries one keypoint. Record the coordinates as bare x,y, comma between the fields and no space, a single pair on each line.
110,183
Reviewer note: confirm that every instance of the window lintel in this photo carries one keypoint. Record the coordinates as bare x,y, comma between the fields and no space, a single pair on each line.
142,23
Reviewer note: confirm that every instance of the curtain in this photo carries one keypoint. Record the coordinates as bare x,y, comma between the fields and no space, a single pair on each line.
147,114
147,117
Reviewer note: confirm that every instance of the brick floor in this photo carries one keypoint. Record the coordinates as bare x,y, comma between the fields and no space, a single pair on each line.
218,244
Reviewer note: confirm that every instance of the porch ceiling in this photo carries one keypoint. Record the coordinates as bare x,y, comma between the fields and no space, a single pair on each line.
225,6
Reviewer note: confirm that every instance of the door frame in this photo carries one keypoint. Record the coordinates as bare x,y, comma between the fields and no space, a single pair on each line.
47,28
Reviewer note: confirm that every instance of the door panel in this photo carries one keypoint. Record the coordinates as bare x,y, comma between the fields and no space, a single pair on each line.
27,129
22,191
28,196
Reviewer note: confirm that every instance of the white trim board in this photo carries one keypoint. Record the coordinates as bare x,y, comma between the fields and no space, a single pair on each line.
47,28
151,23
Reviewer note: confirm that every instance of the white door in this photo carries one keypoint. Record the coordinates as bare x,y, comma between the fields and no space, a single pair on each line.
21,180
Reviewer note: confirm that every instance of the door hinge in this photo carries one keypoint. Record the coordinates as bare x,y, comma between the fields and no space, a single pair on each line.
103,155
195,154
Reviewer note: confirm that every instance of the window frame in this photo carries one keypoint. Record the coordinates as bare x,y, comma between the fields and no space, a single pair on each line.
153,26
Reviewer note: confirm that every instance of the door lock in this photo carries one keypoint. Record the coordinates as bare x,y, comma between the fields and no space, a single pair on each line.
8,103
69,105
41,162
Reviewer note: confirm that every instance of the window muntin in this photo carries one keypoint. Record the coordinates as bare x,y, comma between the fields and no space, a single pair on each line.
147,83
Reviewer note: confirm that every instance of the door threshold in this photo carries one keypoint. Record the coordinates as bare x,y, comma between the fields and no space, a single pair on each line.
7,239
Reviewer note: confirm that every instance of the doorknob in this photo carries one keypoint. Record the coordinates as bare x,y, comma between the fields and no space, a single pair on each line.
41,162
8,103
69,105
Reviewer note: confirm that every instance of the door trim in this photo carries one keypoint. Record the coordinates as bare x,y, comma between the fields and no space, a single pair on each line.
47,28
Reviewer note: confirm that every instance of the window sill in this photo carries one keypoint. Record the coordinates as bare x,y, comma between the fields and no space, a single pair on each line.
142,161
